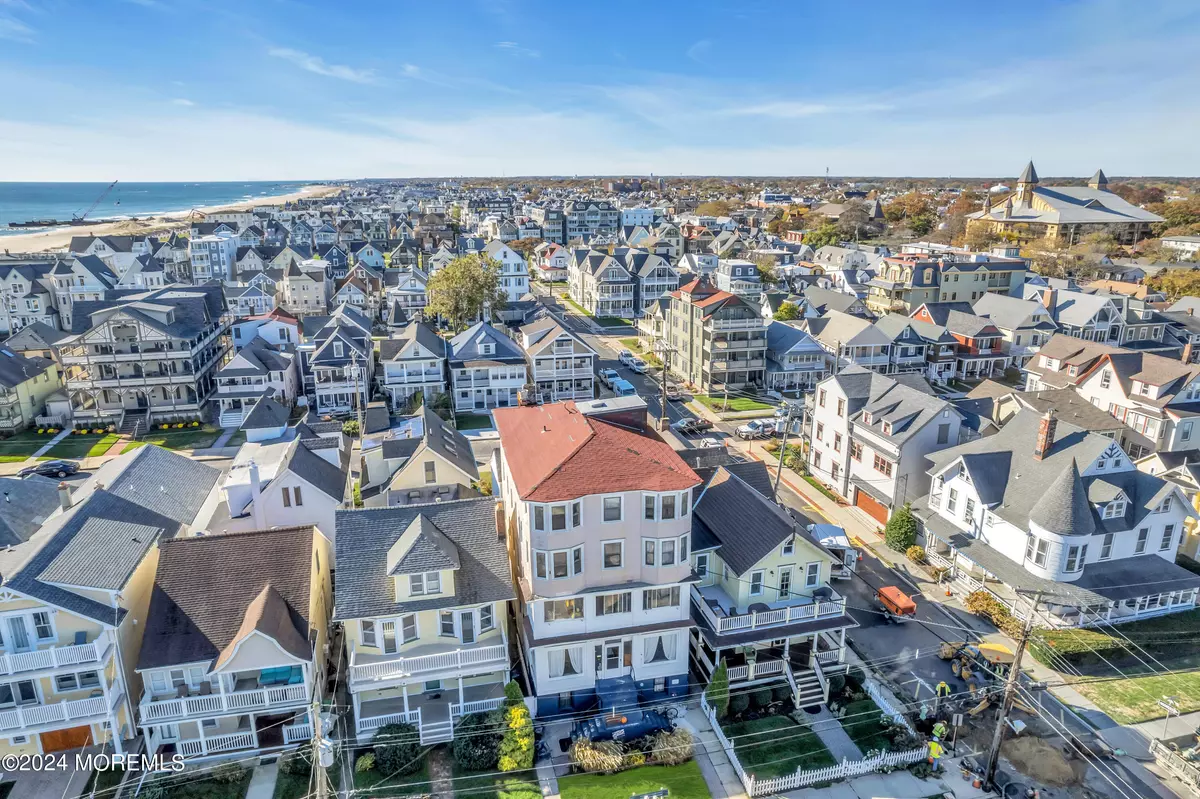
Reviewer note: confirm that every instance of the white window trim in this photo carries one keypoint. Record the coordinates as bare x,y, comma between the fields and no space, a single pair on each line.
761,582
604,555
621,500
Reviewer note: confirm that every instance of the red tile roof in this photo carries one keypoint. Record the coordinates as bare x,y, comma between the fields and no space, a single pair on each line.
556,453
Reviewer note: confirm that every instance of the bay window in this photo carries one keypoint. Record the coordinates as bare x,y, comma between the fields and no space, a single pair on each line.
654,598
563,609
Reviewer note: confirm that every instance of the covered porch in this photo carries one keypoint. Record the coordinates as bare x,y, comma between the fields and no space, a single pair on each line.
433,707
219,736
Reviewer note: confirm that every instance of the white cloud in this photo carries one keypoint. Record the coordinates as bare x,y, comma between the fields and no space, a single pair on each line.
14,30
699,50
797,109
317,65
516,49
182,101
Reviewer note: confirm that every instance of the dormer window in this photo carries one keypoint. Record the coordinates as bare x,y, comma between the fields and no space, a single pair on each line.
1165,506
425,584
1115,509
887,428
1105,379
338,349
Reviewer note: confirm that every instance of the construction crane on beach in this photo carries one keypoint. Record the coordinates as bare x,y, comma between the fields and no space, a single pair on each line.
80,219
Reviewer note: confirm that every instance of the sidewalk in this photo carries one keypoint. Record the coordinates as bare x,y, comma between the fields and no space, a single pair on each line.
718,772
831,733
899,784
262,784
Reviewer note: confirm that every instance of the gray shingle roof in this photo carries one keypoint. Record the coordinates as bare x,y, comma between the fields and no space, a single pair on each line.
430,551
739,521
317,471
1064,507
365,536
25,504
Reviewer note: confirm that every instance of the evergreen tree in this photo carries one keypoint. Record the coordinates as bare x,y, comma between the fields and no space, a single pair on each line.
901,530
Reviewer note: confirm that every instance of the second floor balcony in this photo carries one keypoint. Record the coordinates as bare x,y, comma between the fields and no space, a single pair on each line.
724,616
82,653
268,689
56,715
426,662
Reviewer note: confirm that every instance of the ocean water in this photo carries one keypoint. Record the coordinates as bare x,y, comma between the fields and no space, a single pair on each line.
24,201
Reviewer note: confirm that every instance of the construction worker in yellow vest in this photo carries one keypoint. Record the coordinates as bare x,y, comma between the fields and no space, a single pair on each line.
939,731
943,690
935,754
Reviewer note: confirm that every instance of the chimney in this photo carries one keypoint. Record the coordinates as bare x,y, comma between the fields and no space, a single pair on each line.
1045,436
500,521
256,508
64,496
1187,352
1050,298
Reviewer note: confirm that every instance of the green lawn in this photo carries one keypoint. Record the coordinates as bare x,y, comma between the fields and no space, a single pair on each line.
578,308
295,786
88,445
22,445
862,725
683,781
634,345
736,404
472,421
486,785
775,745
187,438
393,785
1134,700
102,781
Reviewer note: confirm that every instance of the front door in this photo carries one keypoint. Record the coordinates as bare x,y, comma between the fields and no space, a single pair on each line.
466,621
19,633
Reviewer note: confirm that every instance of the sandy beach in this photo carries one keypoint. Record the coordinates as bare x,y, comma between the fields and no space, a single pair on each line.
59,239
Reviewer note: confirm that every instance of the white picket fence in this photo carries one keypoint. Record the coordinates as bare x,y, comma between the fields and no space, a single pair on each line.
885,705
844,770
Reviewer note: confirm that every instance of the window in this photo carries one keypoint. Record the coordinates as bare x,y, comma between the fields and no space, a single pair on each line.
366,630
683,548
539,517
785,583
1106,546
789,547
856,450
668,507
540,564
653,598
90,679
943,434
446,620
41,624
1105,378
558,517
650,500
563,609
812,574
486,619
1075,558
1143,536
430,472
296,498
660,648
562,564
612,509
756,583
837,442
666,552
66,682
820,431
614,552
576,513
821,398
427,583
287,499
685,503
408,628
1036,550
1185,431
1115,508
1168,537
608,604
883,466
702,565
1165,505
952,500
650,547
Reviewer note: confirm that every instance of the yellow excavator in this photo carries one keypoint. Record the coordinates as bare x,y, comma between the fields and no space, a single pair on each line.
980,663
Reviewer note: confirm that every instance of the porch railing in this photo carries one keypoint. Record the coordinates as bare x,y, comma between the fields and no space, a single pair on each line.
233,702
191,747
770,618
24,716
373,723
478,706
480,658
55,657
758,669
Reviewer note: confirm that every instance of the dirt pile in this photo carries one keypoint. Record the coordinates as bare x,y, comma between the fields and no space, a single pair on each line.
1039,761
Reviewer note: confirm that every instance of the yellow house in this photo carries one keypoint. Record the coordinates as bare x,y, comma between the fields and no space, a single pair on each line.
77,576
403,464
235,645
763,603
423,594
24,385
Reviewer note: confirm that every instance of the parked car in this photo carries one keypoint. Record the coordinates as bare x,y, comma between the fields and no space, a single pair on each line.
756,428
51,469
622,725
690,424
607,376
623,388
637,365
625,356
674,394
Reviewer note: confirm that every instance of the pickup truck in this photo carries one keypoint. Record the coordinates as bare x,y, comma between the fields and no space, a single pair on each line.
607,376
625,356
755,429
690,424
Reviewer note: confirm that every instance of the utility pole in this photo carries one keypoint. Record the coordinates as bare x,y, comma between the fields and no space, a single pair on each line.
787,428
357,393
1010,690
322,756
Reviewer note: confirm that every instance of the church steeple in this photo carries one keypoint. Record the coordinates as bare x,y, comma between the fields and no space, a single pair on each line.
1026,183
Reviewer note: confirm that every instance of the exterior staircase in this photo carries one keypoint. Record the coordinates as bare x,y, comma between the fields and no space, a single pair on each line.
133,423
232,418
806,688
436,732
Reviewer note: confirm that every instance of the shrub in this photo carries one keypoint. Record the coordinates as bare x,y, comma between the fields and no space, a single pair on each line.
915,553
350,428
227,774
195,424
671,748
982,603
98,430
298,762
781,693
761,697
738,703
476,744
718,690
365,763
512,694
634,759
399,750
152,790
516,747
901,530
597,757
837,684
41,431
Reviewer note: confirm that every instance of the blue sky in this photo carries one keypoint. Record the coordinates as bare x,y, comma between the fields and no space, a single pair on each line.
282,89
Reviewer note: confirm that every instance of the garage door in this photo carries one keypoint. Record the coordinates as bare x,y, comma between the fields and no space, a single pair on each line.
875,509
70,738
